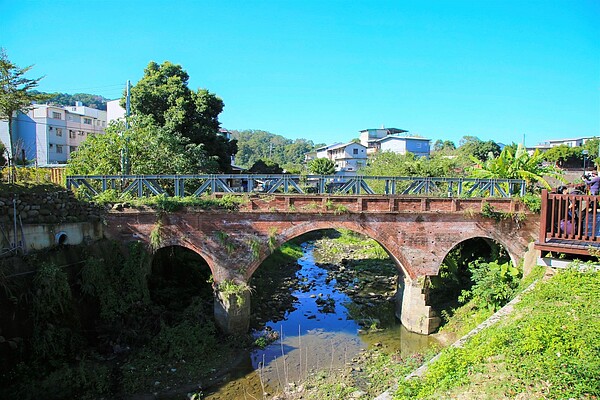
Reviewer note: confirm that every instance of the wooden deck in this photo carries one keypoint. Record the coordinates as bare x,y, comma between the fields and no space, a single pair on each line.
569,224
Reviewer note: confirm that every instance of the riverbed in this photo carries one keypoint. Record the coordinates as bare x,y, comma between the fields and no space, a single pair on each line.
317,333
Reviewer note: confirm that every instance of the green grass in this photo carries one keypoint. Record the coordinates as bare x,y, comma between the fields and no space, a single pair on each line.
169,204
548,348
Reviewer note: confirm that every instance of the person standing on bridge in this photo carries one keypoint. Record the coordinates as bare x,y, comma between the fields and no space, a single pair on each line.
593,182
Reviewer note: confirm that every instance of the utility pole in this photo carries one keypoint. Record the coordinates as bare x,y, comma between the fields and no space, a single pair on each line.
125,150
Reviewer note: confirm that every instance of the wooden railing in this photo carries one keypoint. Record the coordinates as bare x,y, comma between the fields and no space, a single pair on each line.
570,222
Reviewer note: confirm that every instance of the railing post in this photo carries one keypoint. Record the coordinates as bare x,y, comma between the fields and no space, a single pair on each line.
544,216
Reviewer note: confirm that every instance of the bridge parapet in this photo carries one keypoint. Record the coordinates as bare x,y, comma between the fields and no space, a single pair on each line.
297,203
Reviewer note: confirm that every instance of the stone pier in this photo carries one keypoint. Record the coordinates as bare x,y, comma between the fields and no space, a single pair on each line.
232,312
411,307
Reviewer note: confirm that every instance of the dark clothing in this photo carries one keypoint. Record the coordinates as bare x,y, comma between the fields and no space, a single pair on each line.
594,185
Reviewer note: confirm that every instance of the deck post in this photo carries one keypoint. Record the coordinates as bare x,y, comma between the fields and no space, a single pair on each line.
544,216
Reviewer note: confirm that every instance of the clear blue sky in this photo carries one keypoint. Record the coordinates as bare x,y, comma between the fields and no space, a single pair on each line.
323,70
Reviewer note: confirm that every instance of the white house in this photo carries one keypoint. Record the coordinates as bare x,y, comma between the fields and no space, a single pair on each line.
404,144
348,157
369,137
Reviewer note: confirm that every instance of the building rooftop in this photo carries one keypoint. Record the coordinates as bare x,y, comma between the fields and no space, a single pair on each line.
342,145
390,137
391,131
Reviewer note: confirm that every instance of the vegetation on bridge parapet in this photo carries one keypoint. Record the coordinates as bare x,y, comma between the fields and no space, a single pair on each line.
488,211
171,204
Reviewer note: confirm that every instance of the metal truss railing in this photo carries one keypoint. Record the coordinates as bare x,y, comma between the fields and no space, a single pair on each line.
196,185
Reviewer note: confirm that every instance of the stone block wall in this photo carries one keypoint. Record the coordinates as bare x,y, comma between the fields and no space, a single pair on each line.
47,207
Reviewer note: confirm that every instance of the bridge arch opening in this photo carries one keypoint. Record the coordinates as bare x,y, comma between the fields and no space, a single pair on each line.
325,273
179,283
461,269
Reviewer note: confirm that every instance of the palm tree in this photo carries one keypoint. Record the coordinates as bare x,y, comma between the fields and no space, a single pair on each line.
517,164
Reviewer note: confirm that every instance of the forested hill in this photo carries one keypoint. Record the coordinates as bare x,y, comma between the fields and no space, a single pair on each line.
90,100
254,145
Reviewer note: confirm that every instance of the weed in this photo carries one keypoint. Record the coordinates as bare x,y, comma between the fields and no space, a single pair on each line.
272,241
225,241
341,209
311,206
254,244
156,235
229,288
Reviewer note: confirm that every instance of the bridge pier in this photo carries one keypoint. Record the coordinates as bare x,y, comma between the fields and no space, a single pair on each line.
411,307
232,312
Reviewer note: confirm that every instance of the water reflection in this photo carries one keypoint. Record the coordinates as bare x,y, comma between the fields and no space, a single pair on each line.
316,334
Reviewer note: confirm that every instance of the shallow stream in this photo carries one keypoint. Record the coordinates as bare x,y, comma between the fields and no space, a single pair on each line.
317,333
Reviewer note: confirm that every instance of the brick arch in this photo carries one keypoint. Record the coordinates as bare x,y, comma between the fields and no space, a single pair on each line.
310,226
172,241
514,250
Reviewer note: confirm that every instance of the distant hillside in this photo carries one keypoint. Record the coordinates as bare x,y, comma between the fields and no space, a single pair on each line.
254,145
90,100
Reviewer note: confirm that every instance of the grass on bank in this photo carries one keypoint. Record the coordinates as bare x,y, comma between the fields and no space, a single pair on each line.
548,348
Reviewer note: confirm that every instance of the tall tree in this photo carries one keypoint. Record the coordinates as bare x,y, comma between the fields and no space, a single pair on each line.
473,146
15,96
163,94
151,149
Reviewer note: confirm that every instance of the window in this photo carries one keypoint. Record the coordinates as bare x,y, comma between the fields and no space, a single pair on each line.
355,151
59,149
51,145
58,132
71,134
87,121
56,115
72,149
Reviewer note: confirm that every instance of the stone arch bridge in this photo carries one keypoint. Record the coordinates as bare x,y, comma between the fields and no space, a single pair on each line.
417,233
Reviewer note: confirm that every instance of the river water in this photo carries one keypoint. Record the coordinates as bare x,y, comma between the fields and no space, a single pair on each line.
317,334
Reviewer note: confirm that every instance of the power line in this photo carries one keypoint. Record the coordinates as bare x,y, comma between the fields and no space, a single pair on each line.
85,88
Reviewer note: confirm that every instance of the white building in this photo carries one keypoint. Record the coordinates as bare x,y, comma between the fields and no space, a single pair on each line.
575,142
404,144
369,137
348,157
49,134
114,111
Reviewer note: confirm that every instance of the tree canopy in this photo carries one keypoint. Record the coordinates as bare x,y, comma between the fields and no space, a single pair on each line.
265,167
473,146
163,94
65,99
321,166
388,163
444,145
254,145
151,149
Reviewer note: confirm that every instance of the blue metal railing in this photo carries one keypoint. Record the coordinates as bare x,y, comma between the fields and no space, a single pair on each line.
196,185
